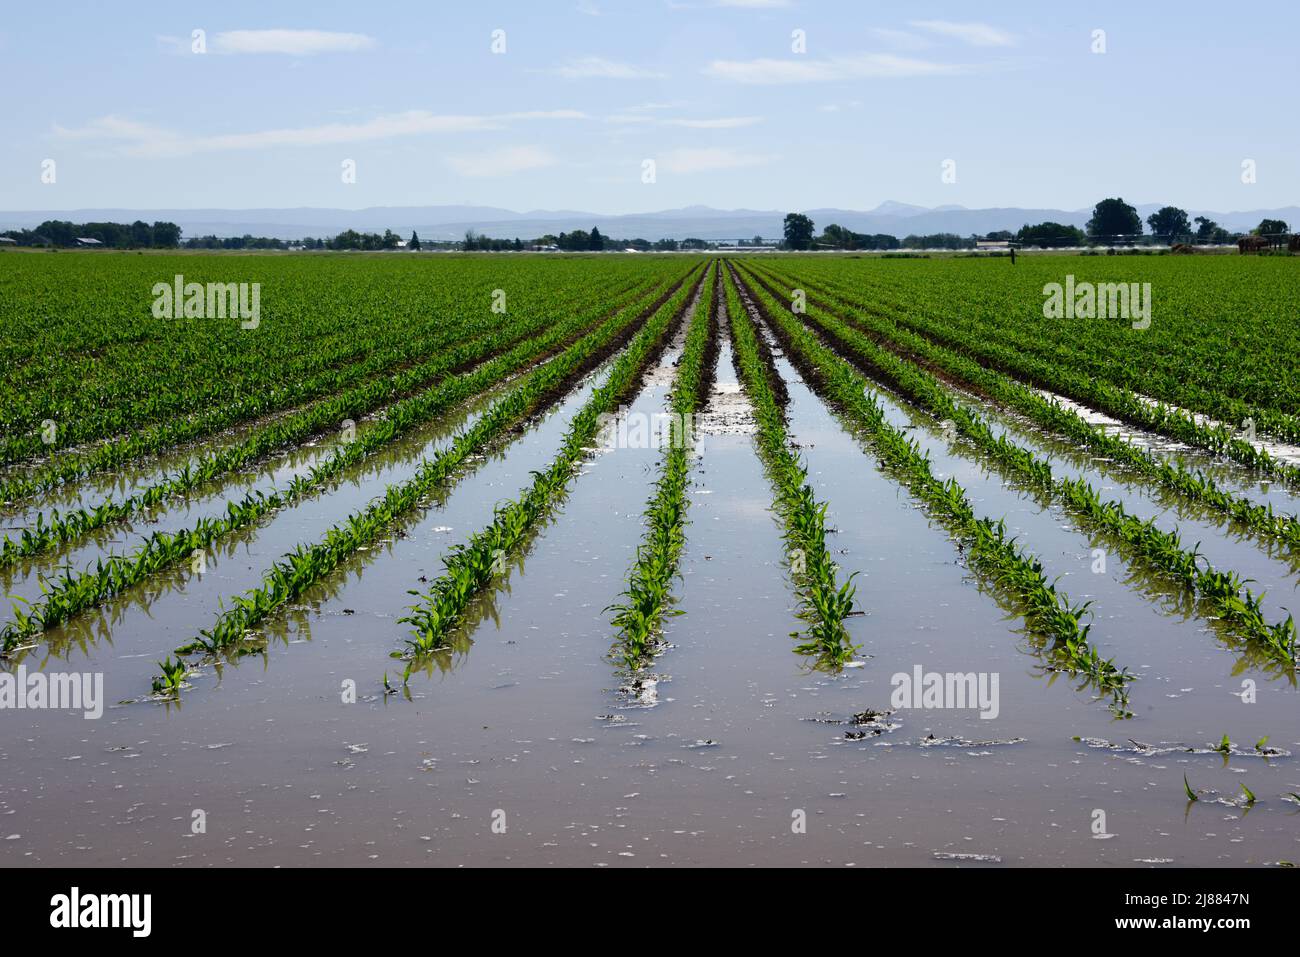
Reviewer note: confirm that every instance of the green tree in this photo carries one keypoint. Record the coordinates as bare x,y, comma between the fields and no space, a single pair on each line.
1169,223
166,235
141,234
837,237
798,231
1270,227
595,242
1112,218
1050,234
415,240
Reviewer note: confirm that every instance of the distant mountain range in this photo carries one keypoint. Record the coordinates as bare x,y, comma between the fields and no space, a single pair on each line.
703,222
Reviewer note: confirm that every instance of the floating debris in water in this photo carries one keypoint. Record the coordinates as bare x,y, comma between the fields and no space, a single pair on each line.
933,741
1165,747
978,858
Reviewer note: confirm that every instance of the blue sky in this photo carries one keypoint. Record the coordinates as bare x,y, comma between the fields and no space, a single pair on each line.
587,90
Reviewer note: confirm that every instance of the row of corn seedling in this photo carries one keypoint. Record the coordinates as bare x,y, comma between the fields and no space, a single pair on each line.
990,552
328,332
472,566
70,525
125,411
1174,375
639,615
353,403
149,439
1196,488
71,593
1118,402
1178,375
1225,592
825,604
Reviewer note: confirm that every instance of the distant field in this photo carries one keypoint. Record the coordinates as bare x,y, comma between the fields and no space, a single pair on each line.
425,475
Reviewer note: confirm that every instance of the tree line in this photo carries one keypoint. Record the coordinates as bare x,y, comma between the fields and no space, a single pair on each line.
136,235
1113,221
578,241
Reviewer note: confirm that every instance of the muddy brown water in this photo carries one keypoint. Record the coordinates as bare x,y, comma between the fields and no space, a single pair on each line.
520,749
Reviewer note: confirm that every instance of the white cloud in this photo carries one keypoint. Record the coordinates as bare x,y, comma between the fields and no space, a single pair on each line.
711,123
686,161
501,162
546,115
864,66
594,67
976,34
719,123
290,42
138,139
901,39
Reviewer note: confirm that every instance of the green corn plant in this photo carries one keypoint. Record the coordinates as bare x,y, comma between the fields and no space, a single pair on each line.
989,550
1225,591
639,617
173,676
472,566
825,603
1010,350
502,349
69,595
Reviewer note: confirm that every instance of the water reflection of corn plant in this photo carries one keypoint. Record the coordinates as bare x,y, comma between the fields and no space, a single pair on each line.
647,599
470,567
825,603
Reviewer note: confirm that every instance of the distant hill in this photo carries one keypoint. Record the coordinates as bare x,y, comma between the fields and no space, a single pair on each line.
704,222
